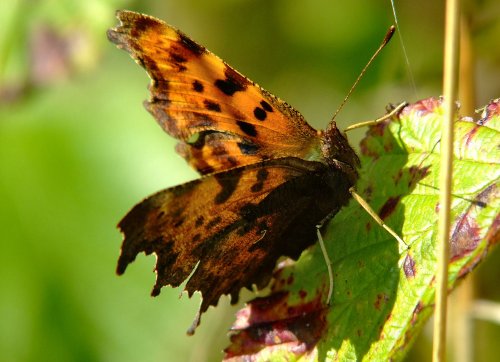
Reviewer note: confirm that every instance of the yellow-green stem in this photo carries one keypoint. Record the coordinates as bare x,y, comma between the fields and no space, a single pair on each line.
452,32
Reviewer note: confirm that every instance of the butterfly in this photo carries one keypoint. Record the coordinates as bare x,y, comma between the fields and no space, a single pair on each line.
267,177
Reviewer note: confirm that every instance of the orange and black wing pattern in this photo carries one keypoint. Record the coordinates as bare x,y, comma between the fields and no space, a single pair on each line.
222,119
269,177
231,227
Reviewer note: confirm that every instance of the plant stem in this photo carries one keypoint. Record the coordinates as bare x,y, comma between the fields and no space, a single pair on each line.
452,32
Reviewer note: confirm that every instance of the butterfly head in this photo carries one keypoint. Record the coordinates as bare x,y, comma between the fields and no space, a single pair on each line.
338,153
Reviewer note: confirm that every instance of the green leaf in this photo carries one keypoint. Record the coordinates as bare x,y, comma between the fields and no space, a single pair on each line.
383,292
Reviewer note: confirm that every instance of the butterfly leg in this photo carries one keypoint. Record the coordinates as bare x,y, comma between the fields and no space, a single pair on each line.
327,261
391,114
377,218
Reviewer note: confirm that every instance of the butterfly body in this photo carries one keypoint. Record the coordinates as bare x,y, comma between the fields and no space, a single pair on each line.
268,177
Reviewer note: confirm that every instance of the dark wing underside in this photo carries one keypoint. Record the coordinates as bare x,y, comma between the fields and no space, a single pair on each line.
232,226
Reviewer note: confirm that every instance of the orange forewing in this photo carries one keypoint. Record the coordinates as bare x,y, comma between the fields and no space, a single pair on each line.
193,92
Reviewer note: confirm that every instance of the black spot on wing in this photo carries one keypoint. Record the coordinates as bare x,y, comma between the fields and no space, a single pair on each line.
199,221
248,211
248,148
266,106
141,24
212,106
247,128
179,222
177,60
179,67
259,113
148,63
227,87
228,185
197,86
233,83
191,45
216,220
257,187
262,176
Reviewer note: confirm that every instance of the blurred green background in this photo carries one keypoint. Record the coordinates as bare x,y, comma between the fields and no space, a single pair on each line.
77,150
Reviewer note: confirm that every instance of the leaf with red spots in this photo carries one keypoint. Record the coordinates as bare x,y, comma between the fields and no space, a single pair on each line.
382,295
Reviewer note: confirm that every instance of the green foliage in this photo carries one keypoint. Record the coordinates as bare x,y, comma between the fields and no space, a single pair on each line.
383,292
76,152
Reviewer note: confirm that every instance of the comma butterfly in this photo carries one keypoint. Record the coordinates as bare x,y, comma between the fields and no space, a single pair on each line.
268,177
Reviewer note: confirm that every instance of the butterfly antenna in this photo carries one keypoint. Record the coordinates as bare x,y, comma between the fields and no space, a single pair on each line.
387,37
